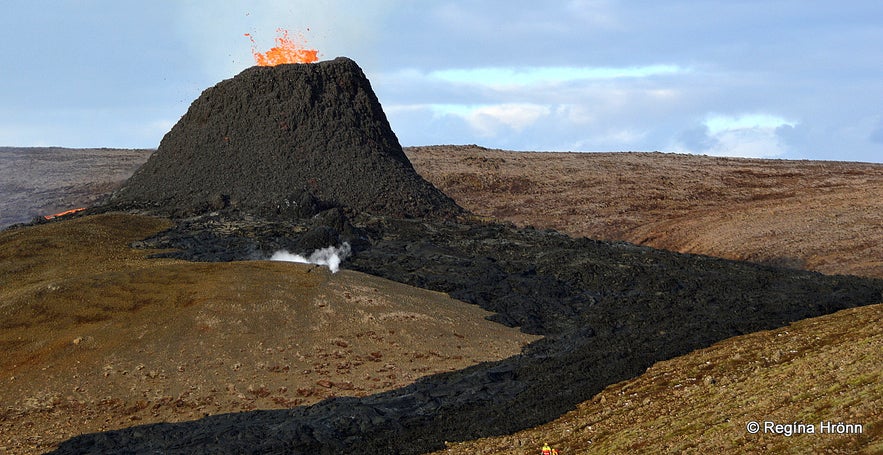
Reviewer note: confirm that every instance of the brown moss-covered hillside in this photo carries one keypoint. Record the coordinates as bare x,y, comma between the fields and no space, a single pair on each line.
96,336
816,215
825,369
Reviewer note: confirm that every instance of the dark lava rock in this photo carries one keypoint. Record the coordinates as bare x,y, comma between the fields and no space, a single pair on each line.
287,140
300,157
609,310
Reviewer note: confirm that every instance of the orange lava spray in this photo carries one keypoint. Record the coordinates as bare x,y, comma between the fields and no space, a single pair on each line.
285,51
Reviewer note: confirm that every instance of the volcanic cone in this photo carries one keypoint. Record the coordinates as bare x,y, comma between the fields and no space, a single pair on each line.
280,140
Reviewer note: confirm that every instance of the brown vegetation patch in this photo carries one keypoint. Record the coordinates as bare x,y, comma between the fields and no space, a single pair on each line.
98,337
824,369
818,215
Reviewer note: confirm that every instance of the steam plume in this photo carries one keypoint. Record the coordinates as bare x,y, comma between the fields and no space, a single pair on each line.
331,256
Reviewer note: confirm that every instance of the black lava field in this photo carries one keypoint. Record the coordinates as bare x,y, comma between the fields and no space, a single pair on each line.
301,157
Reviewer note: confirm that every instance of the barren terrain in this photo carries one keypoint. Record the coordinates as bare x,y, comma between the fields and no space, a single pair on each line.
825,369
98,337
38,181
818,215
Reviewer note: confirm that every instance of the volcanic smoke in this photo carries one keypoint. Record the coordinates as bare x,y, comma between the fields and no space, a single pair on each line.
330,256
286,51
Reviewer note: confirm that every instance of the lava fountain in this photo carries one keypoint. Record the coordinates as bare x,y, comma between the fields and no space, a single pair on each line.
285,51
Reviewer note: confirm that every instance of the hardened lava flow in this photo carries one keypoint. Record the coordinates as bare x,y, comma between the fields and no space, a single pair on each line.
302,157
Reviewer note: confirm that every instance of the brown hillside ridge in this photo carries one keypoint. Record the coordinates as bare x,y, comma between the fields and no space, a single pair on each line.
96,337
825,369
818,215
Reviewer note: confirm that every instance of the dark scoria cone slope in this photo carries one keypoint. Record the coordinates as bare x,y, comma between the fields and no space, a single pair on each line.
272,140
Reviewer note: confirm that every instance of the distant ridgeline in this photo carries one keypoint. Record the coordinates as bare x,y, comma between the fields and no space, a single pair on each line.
280,140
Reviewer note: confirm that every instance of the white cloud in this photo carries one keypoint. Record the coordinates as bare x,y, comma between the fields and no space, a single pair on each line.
489,120
509,77
747,143
719,123
576,114
745,136
610,138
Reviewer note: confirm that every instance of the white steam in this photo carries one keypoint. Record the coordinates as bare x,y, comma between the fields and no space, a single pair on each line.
331,256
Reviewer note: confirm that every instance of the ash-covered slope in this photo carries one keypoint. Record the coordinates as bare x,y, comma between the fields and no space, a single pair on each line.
274,140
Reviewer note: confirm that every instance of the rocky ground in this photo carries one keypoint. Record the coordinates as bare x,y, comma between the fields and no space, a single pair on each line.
608,312
816,371
38,181
588,292
97,337
817,215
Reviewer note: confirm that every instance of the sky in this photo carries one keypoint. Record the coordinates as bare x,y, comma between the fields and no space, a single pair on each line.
788,79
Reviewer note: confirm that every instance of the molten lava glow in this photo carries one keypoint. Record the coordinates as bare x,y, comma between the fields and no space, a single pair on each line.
286,51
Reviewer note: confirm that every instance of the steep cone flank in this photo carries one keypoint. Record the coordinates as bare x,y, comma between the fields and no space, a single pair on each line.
262,140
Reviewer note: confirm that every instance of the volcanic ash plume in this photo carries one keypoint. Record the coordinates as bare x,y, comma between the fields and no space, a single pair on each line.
330,256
